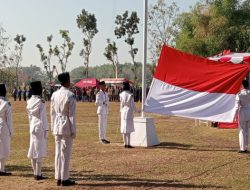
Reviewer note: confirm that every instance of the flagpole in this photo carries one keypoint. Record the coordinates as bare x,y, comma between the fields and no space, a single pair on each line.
144,134
144,55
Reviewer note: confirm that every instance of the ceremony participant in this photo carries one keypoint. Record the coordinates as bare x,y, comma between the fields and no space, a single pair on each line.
38,129
243,103
63,126
102,102
127,109
14,93
19,93
6,129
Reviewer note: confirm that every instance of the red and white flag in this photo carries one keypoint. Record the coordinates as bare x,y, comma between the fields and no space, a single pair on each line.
195,87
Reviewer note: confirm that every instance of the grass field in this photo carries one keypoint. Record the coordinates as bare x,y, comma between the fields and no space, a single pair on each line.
189,157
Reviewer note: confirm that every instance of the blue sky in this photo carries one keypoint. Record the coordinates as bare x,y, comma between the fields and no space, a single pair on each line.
36,19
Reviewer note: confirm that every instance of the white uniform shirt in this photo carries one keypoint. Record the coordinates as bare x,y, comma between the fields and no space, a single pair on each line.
6,129
102,102
127,109
38,126
63,110
37,115
243,103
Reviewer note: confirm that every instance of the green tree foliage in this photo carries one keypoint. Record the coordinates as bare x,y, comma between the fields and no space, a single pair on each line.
88,24
127,28
215,25
111,55
161,28
65,50
17,54
45,58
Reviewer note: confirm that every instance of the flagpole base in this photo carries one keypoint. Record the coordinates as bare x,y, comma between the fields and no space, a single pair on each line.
145,133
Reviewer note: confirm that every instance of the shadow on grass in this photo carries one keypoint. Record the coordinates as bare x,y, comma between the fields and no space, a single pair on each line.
190,147
27,171
112,181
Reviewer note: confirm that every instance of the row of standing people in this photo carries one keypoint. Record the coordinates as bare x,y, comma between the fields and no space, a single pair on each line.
88,94
19,93
63,125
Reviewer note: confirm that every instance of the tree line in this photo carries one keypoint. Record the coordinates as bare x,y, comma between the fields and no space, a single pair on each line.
208,28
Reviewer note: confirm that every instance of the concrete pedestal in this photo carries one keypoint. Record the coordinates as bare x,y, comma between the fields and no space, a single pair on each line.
144,134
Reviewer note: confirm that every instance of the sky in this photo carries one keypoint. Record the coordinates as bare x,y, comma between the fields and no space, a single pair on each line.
37,19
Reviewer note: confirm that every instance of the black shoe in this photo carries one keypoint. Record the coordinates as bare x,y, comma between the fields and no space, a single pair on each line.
68,182
40,177
128,146
104,141
59,182
5,173
242,151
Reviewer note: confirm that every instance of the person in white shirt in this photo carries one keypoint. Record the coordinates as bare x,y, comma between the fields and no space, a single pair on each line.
6,129
38,129
102,103
127,109
63,126
243,103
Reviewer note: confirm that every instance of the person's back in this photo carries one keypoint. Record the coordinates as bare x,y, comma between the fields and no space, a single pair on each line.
62,101
63,124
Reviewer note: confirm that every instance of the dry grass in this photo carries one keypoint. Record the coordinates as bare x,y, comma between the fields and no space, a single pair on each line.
189,157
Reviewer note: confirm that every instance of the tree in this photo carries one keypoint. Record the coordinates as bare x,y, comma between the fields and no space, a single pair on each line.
4,41
111,55
127,27
215,25
6,60
88,24
65,50
17,54
162,28
45,58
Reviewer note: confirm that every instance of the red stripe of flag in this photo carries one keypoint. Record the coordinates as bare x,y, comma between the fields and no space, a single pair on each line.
199,74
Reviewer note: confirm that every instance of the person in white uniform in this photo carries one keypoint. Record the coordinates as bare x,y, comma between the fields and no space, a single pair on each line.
243,103
102,103
63,123
38,129
127,109
6,129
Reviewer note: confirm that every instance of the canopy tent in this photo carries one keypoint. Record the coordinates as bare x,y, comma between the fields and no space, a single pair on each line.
236,58
87,82
115,80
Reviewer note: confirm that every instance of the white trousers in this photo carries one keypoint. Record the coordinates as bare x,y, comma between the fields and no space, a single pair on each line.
102,125
62,157
243,134
37,166
2,164
126,138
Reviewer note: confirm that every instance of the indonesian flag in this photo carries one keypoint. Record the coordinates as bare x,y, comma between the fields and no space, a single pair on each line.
195,87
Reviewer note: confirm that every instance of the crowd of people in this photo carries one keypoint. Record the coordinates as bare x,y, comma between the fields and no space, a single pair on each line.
87,94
